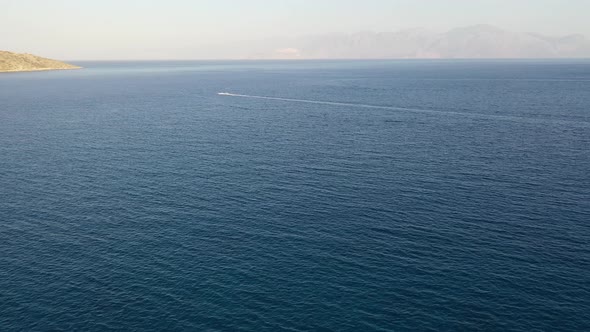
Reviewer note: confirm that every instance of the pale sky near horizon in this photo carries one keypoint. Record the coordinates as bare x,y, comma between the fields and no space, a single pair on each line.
152,29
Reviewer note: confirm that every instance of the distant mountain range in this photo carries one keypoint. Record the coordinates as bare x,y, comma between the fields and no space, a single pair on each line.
13,62
479,41
472,42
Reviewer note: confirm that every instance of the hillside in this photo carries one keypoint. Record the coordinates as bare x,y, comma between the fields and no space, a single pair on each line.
480,41
14,62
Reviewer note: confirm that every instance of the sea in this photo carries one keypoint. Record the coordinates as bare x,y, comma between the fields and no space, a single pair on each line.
398,195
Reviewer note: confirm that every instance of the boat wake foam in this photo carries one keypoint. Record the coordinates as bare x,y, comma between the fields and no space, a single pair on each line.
419,110
321,102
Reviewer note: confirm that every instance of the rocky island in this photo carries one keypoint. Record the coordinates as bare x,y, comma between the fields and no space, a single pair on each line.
15,62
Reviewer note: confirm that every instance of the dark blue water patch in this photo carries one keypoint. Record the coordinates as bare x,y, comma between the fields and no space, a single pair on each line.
133,196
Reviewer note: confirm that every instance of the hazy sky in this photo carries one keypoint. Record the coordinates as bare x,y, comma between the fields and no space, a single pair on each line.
131,29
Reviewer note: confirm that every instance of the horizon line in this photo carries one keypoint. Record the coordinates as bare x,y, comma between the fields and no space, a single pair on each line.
322,59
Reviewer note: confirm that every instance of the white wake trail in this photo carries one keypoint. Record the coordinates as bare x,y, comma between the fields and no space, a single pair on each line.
333,103
514,118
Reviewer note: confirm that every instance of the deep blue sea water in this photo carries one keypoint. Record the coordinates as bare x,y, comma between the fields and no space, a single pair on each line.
367,196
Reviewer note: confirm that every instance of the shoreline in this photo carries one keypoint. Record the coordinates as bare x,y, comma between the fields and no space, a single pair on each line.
36,69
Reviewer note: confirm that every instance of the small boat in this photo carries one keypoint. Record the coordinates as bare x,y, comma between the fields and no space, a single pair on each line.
224,93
